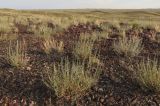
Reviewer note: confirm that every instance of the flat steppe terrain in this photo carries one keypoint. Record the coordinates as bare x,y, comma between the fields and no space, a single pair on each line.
86,57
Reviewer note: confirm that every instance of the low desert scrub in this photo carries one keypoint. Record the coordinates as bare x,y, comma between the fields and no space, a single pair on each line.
89,36
94,60
64,22
84,45
129,47
71,79
107,25
43,31
157,27
157,37
94,36
8,37
148,75
122,32
20,20
21,24
50,43
103,34
79,19
17,54
5,28
83,48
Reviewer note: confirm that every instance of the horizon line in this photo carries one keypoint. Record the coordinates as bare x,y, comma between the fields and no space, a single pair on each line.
79,8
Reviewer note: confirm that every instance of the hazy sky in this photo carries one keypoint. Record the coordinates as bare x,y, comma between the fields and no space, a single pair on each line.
69,4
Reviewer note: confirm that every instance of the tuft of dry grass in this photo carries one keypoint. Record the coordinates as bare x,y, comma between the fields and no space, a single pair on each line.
71,79
158,37
83,49
94,60
17,54
5,28
84,45
50,43
130,47
43,31
148,75
8,37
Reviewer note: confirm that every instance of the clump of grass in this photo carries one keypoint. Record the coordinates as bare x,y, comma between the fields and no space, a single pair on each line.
5,29
99,35
83,49
8,37
158,37
6,26
130,47
17,55
106,26
20,20
63,23
148,75
94,60
50,43
43,31
71,79
84,45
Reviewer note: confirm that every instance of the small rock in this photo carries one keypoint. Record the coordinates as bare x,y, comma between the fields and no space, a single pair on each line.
29,68
100,90
102,100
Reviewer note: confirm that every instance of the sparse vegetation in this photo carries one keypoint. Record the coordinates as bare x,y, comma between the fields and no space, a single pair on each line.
5,29
94,60
50,43
17,54
42,76
130,47
44,31
148,75
71,79
158,37
84,46
8,37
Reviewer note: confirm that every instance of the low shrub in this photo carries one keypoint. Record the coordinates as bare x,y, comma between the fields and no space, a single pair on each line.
83,49
148,75
129,47
50,43
43,31
84,45
71,79
17,54
5,29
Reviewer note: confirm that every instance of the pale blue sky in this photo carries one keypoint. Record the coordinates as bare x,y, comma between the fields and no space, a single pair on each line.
70,4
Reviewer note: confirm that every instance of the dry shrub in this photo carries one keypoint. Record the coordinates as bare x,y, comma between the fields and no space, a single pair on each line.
8,37
84,45
83,49
17,54
130,47
5,28
44,31
50,43
71,79
148,75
